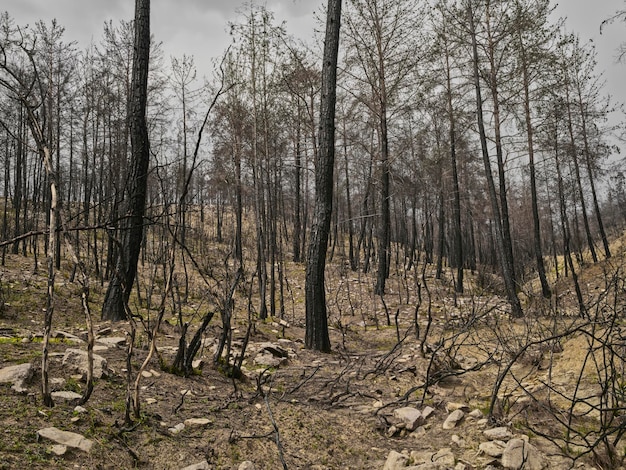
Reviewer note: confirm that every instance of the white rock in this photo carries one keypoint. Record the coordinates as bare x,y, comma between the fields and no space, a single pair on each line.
80,409
76,359
58,449
66,395
176,429
113,341
411,417
18,375
501,433
444,458
395,461
519,454
426,412
247,465
66,438
197,422
198,466
67,336
493,448
453,419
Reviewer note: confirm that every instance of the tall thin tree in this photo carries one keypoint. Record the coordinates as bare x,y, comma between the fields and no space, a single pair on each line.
316,335
121,283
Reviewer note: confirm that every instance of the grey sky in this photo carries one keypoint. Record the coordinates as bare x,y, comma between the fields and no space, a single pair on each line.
199,27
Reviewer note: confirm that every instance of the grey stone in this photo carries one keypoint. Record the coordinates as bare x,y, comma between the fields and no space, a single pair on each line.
66,438
493,448
426,412
197,422
76,359
198,466
247,465
501,434
176,429
266,358
411,417
521,454
17,375
453,419
395,461
66,395
113,341
58,449
444,458
69,337
420,457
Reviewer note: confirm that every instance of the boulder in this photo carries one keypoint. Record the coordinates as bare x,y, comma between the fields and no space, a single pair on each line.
520,454
66,438
493,448
18,375
501,434
76,359
410,416
395,461
453,419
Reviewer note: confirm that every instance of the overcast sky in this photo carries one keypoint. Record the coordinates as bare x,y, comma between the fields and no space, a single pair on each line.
199,27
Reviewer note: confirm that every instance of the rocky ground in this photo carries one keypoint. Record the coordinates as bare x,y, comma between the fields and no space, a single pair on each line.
364,406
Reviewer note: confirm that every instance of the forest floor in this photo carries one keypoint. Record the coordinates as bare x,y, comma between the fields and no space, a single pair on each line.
313,410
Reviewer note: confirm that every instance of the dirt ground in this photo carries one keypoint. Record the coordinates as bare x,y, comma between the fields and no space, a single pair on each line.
315,411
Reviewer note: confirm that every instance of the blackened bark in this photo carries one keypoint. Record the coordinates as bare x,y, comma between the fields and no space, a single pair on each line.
316,336
123,278
541,271
507,274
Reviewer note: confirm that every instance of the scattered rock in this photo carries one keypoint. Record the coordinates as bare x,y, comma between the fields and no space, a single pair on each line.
79,409
151,401
395,461
493,448
113,341
66,395
502,433
266,358
76,359
476,414
146,374
426,412
410,416
197,422
66,438
58,449
444,458
453,419
18,375
69,337
247,465
176,429
520,454
198,466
